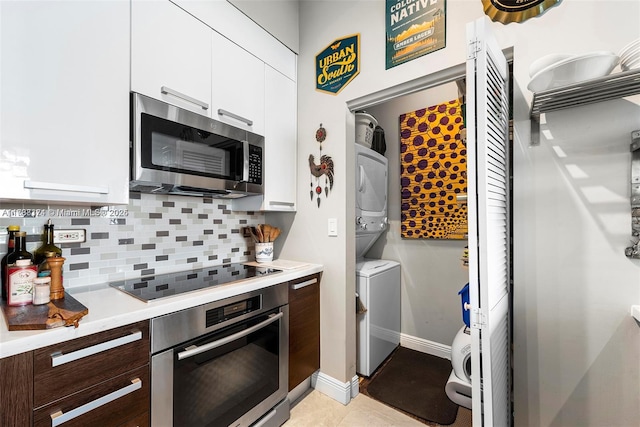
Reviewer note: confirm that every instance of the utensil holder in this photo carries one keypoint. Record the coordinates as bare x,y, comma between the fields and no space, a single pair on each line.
264,251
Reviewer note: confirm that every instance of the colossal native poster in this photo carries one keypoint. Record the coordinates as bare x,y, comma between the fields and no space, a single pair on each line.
413,28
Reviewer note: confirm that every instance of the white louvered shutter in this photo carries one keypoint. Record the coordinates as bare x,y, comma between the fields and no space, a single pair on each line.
488,207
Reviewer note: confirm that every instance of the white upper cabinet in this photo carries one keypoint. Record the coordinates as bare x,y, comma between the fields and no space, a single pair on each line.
280,142
237,86
227,20
170,55
64,101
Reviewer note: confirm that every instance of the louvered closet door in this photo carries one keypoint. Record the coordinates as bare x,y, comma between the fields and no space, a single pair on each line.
488,205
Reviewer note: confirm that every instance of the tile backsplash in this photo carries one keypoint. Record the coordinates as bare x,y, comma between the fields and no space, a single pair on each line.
154,234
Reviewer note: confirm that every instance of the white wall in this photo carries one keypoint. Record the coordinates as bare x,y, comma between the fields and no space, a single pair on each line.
555,384
577,348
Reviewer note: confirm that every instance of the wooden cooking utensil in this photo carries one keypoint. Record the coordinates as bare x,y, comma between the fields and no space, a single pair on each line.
267,232
259,233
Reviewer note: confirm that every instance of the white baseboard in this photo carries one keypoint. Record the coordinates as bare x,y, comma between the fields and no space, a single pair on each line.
425,346
339,391
355,386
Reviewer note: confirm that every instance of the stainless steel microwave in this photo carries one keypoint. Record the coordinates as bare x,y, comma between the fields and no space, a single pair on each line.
176,151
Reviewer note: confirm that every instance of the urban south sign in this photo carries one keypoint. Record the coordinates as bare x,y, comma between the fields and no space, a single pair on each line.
338,64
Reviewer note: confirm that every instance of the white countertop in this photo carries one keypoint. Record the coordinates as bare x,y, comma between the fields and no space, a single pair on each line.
110,308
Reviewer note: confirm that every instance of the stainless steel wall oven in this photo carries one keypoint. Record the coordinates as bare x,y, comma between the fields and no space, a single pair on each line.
223,363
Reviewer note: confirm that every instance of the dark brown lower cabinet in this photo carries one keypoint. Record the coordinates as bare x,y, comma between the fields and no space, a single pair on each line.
101,379
16,390
304,328
120,401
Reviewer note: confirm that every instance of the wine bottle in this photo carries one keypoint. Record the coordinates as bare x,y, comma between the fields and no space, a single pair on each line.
20,250
12,229
39,254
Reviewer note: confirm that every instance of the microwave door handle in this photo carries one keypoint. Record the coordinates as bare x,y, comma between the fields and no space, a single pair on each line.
245,161
195,350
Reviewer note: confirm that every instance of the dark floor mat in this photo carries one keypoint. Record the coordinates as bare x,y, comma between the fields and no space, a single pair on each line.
414,382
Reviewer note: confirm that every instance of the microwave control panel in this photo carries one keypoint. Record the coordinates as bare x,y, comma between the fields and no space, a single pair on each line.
255,164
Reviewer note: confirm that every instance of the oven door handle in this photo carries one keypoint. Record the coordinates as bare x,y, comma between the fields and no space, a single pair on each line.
194,349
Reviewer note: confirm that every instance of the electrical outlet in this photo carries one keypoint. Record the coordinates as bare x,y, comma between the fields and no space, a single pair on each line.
70,236
246,231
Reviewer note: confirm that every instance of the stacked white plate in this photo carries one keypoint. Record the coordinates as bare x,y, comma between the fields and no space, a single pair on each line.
630,56
559,70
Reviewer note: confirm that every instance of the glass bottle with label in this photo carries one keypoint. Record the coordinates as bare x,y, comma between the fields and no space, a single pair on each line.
47,245
20,282
12,229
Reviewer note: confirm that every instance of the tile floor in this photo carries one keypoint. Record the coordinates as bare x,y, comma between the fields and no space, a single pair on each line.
315,409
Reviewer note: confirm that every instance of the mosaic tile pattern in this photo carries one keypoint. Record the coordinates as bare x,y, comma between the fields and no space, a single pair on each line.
154,234
433,171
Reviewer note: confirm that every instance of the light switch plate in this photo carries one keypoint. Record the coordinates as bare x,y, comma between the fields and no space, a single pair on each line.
332,227
70,236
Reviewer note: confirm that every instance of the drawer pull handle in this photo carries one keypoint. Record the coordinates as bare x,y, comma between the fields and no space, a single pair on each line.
222,112
168,91
62,417
40,185
303,284
58,358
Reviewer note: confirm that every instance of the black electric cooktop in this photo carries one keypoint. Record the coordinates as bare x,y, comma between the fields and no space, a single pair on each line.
166,285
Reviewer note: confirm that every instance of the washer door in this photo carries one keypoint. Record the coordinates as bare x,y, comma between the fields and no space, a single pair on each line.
461,354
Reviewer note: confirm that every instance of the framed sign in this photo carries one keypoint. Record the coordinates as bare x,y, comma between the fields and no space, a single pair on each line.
338,64
413,28
507,11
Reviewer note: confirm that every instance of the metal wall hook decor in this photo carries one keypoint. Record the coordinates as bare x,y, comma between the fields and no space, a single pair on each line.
634,250
325,168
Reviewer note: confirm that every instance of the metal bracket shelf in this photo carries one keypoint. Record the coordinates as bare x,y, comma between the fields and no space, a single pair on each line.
613,86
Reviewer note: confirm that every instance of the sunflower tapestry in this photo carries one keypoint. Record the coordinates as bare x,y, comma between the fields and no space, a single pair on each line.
433,171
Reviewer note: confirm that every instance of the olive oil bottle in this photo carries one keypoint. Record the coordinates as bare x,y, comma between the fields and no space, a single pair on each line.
47,245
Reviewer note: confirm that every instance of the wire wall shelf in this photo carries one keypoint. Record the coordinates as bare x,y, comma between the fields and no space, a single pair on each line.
612,86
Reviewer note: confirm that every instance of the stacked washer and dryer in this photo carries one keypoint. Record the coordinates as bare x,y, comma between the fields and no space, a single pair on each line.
377,280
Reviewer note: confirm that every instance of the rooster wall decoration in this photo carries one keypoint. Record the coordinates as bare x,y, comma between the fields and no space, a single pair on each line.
324,168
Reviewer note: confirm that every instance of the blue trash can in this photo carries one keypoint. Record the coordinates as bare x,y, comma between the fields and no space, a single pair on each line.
464,297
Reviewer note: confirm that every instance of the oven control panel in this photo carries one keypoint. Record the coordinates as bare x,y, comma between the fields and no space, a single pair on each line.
230,311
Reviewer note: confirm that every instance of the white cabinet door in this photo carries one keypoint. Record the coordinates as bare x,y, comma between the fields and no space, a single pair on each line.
280,142
237,86
64,101
170,55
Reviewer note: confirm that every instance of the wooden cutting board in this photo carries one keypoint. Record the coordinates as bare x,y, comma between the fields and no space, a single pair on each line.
63,312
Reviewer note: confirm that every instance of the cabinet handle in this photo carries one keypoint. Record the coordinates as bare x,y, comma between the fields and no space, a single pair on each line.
38,185
59,358
194,349
303,284
222,112
276,203
168,91
62,417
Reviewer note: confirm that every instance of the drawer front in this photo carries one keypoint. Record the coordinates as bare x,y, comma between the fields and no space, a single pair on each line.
304,328
71,366
123,400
